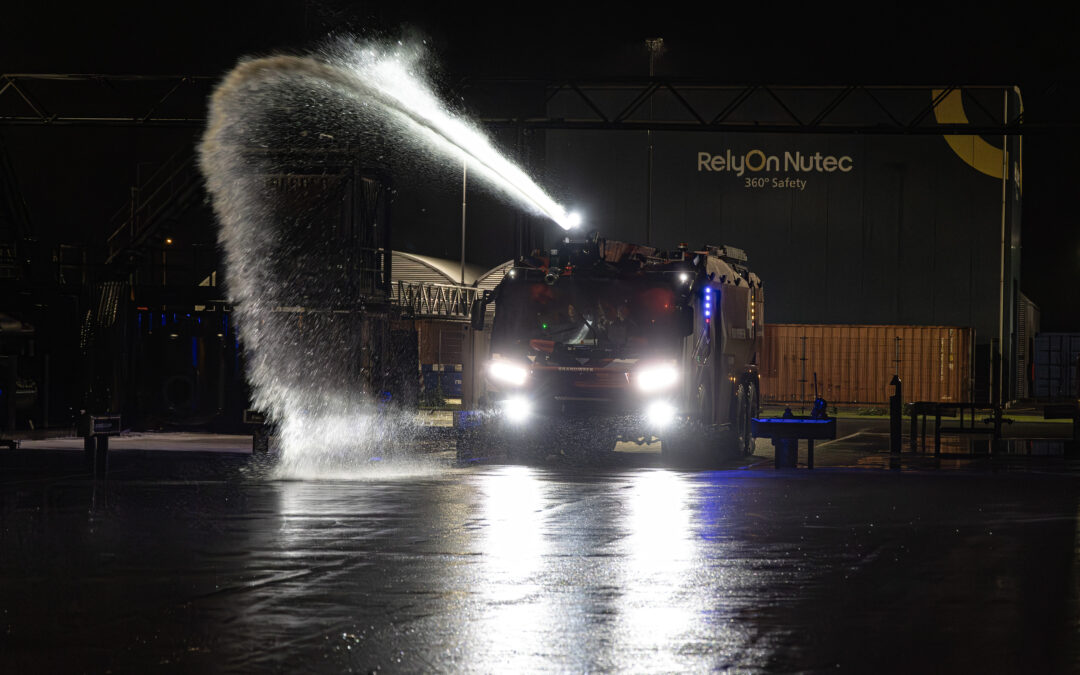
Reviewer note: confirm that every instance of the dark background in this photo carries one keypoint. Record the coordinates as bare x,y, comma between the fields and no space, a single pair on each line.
72,179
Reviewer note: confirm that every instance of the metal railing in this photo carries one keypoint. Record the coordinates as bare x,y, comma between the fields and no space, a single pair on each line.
176,179
443,301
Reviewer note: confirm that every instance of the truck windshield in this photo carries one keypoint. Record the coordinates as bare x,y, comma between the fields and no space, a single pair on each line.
625,316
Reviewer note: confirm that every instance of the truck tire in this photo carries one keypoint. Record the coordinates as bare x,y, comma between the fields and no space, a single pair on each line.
694,440
679,445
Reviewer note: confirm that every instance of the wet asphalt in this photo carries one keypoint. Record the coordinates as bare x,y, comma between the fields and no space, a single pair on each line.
185,562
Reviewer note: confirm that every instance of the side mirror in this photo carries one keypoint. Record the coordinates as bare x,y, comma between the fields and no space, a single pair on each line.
476,314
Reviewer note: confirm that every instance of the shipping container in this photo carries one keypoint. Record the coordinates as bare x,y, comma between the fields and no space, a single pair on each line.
1027,327
854,364
1057,362
440,341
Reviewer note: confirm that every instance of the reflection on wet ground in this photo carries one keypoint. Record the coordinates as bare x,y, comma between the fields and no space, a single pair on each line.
205,564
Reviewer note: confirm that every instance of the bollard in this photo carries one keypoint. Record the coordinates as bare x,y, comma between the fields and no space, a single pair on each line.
896,409
90,452
101,463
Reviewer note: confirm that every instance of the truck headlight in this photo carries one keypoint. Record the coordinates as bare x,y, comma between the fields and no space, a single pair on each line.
656,377
659,414
517,409
508,373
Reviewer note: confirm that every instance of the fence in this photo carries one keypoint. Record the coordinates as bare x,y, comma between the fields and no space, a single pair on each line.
854,363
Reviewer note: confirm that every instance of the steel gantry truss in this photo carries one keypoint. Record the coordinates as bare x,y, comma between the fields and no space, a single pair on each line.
104,100
658,104
443,301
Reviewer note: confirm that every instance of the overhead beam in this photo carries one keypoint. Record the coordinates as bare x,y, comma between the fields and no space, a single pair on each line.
36,99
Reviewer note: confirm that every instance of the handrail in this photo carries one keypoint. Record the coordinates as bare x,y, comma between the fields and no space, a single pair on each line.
150,199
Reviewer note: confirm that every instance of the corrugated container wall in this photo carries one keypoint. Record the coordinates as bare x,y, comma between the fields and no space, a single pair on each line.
1027,327
440,341
854,363
1057,362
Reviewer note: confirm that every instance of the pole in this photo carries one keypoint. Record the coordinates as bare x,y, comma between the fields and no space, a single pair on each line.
1001,277
896,408
464,185
802,379
656,47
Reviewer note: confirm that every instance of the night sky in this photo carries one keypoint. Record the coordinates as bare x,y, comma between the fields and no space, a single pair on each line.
761,42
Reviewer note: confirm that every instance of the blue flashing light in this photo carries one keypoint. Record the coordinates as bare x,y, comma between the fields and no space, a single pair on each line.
163,318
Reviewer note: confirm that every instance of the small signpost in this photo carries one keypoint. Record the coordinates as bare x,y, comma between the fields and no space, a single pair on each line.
95,431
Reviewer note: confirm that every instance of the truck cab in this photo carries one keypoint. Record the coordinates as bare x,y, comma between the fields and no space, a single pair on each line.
601,341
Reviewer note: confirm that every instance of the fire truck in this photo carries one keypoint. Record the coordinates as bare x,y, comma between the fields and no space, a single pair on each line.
601,341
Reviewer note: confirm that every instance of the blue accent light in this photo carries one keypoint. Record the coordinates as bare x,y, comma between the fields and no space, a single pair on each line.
163,318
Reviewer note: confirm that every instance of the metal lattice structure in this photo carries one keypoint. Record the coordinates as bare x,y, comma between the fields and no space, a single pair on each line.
657,104
104,100
443,301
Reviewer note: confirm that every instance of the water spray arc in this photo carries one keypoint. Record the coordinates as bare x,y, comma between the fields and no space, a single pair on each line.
302,323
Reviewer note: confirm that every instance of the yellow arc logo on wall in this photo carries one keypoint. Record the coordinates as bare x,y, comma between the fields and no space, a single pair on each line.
974,150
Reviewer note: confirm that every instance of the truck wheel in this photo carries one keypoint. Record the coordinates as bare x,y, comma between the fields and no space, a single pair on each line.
676,445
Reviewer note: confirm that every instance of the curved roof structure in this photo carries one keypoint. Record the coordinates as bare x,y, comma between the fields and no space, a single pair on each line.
425,269
490,279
